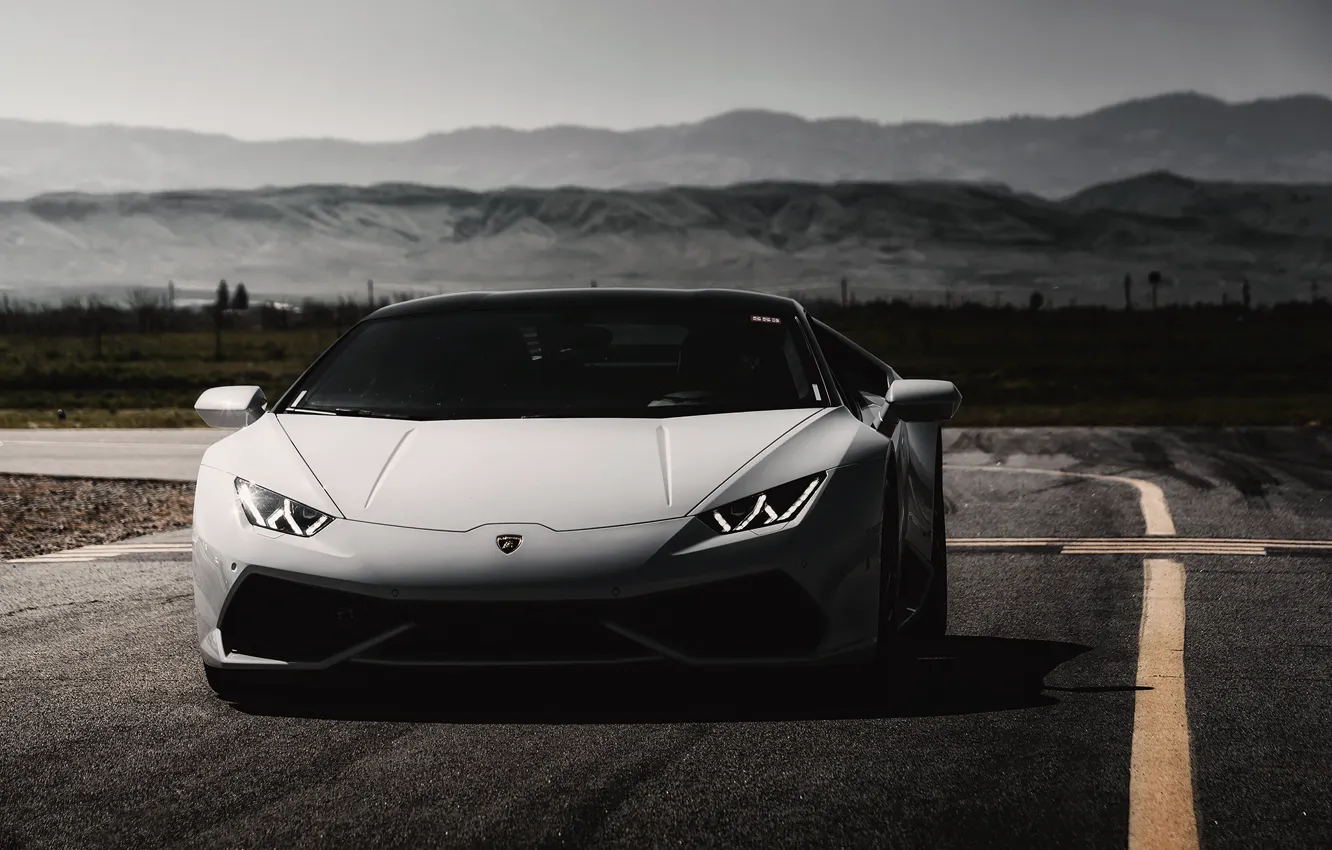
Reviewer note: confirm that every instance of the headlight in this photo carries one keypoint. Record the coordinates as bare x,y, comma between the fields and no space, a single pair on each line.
771,507
276,512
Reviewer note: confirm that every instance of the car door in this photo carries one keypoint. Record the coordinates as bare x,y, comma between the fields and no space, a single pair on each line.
867,378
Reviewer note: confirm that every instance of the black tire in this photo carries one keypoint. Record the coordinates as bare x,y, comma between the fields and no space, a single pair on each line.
888,575
931,621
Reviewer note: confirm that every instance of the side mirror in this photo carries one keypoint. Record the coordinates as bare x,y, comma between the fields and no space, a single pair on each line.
231,407
923,401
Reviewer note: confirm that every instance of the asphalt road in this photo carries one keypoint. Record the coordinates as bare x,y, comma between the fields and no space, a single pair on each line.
163,454
1029,727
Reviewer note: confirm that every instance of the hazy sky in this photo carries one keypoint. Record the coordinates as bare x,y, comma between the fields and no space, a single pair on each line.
391,69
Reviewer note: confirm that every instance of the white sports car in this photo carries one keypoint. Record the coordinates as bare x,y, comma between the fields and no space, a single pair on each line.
575,476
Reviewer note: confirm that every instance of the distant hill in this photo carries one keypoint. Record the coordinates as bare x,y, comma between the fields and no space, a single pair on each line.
1299,210
1280,140
926,237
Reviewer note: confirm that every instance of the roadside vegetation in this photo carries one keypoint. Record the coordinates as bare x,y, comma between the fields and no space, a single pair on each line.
143,364
40,514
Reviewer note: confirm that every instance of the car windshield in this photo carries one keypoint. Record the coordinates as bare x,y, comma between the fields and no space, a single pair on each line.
509,363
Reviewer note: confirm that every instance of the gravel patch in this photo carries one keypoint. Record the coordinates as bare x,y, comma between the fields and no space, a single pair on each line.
40,515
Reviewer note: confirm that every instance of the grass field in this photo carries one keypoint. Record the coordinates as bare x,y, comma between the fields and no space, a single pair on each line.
1181,366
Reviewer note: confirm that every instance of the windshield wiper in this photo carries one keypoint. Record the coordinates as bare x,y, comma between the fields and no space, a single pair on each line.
363,412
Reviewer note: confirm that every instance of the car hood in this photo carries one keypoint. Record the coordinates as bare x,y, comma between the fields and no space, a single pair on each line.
564,474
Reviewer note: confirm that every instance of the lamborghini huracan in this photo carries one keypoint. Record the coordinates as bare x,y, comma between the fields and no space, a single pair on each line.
589,476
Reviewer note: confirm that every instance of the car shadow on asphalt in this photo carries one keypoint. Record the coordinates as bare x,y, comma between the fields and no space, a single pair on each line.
954,675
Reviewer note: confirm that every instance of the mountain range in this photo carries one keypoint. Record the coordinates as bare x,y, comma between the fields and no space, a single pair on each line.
1285,139
936,239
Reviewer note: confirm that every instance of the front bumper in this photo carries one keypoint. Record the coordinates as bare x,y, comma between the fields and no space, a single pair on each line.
362,594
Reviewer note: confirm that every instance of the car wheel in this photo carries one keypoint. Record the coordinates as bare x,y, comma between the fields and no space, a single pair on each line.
889,544
931,621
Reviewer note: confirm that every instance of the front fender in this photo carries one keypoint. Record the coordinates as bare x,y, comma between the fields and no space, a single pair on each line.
263,454
917,447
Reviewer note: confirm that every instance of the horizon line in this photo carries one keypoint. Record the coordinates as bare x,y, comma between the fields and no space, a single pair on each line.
997,185
1016,116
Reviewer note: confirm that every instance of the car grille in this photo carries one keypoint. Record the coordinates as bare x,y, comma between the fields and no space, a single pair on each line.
764,615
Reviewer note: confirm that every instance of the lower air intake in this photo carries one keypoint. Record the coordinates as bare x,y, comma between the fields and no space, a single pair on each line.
766,615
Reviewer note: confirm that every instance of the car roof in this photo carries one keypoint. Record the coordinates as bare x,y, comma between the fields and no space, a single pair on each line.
586,297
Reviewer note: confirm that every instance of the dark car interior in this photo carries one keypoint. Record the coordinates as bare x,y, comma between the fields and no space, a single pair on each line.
552,365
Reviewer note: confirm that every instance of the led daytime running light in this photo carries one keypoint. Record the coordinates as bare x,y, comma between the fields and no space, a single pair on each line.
763,513
809,491
277,512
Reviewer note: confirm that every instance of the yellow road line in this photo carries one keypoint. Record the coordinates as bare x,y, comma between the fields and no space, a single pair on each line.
1161,809
1151,498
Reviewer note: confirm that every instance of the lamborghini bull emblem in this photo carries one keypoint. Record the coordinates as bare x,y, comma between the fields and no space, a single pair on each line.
509,543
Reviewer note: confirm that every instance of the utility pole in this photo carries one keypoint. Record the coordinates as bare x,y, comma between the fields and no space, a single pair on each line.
846,293
370,293
171,295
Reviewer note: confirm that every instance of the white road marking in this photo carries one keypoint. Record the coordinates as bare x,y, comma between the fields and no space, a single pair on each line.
1256,551
145,547
1255,547
1143,545
1162,813
89,554
66,444
1073,547
92,549
1052,541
